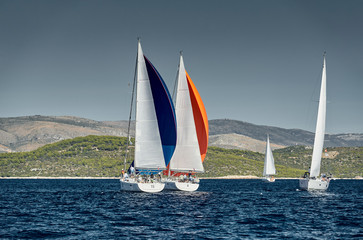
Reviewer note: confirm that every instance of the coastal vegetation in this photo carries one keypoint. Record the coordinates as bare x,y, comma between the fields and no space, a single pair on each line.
342,162
103,156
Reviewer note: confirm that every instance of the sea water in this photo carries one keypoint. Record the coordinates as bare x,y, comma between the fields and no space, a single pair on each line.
220,209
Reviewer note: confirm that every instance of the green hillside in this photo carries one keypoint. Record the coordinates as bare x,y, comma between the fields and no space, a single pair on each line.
91,156
223,162
343,162
102,156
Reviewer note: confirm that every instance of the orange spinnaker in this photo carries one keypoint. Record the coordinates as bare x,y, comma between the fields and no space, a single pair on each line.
200,117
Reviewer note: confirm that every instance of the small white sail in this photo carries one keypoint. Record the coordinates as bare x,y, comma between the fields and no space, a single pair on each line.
148,147
320,128
187,155
269,167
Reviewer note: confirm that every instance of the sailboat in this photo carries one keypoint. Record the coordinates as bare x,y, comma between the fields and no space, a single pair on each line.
192,135
312,180
269,167
155,129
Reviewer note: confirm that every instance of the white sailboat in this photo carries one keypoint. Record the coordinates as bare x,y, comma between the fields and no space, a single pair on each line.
312,180
192,135
155,132
269,167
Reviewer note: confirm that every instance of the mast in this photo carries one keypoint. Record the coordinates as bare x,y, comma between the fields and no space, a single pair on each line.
174,96
132,101
320,127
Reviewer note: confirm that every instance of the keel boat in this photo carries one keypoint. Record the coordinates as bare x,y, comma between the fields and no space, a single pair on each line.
192,135
312,180
269,168
155,129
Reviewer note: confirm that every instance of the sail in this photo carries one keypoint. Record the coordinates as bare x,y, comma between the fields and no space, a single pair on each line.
269,167
190,149
155,133
320,128
200,117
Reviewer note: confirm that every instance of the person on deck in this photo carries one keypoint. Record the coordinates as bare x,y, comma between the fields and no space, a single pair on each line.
132,171
191,179
323,177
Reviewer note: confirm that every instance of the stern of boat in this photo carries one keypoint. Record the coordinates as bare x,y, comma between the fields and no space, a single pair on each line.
318,184
268,179
133,186
314,184
152,187
181,186
187,186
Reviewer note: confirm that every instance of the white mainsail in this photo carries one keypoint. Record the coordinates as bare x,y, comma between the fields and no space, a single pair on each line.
148,147
187,155
269,167
320,128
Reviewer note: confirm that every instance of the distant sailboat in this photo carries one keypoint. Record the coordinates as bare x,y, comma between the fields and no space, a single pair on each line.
269,167
312,181
155,132
192,135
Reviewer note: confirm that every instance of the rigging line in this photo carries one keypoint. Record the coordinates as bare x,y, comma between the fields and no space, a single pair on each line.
132,101
310,118
176,82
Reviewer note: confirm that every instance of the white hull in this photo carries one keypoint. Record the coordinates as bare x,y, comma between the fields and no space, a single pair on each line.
181,186
313,184
268,179
131,186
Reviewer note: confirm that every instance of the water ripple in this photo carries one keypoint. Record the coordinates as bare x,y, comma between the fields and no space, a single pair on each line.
221,209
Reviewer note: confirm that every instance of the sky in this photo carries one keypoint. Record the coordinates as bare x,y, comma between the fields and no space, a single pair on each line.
257,61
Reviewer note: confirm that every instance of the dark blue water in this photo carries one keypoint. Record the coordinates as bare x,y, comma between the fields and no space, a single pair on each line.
220,209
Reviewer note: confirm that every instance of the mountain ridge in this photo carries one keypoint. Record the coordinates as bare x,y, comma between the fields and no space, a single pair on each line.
19,134
282,136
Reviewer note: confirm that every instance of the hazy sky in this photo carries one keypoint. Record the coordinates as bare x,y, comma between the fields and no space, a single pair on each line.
257,61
